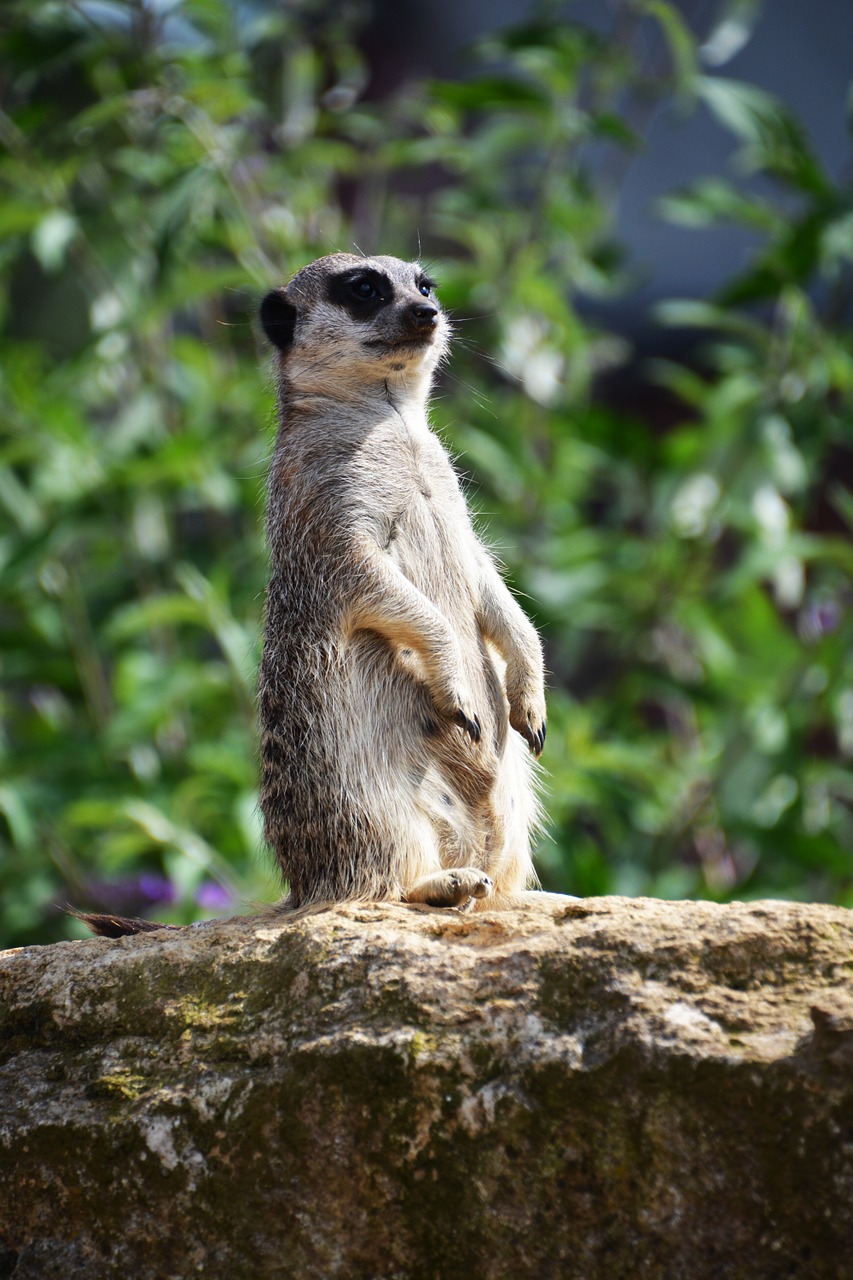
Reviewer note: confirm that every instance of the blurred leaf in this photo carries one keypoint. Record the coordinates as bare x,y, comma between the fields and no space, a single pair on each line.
711,200
734,24
681,42
488,92
14,810
772,138
51,238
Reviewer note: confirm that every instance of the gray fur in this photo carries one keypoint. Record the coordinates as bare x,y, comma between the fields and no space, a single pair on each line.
395,659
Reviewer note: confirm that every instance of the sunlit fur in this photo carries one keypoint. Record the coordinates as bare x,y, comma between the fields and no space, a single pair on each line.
390,635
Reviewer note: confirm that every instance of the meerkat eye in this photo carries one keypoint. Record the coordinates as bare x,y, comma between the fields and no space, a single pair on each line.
364,290
424,289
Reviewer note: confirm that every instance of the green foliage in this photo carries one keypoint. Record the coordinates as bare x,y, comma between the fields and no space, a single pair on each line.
161,167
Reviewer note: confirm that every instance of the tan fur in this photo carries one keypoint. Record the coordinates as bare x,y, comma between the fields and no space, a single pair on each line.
395,659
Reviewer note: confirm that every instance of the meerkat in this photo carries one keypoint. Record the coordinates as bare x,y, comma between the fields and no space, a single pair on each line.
401,686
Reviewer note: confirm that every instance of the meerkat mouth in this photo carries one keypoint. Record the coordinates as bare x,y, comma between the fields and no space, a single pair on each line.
415,342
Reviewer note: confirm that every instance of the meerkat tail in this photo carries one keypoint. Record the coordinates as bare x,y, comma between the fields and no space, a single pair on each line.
108,926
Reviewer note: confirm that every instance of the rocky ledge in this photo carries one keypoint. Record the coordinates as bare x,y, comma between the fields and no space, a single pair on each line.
578,1089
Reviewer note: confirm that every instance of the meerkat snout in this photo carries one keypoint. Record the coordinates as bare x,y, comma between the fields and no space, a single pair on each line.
422,316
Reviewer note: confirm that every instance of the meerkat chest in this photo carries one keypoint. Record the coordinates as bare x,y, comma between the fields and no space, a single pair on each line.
425,527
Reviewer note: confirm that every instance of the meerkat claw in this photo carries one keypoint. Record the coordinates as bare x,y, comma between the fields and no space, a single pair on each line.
535,738
483,887
471,726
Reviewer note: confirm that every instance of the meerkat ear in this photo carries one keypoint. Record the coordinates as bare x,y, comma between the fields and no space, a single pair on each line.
278,316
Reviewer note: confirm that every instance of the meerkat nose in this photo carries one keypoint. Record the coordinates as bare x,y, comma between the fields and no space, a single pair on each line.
423,314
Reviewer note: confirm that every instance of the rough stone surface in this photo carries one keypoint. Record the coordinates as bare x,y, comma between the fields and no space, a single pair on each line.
577,1089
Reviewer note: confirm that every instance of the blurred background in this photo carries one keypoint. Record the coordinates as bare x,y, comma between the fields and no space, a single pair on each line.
641,217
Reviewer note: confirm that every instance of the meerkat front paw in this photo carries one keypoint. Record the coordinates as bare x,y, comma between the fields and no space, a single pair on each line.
451,888
527,706
458,708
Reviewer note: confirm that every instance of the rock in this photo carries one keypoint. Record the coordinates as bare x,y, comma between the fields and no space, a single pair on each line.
577,1089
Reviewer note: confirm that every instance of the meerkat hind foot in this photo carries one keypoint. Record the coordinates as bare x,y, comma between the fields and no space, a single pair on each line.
450,888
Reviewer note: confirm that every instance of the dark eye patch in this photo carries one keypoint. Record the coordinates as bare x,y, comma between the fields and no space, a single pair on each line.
361,291
426,285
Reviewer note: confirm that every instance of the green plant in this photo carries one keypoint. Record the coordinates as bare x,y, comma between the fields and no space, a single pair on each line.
160,169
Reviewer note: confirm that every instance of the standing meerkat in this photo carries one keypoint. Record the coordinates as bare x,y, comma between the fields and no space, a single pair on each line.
401,685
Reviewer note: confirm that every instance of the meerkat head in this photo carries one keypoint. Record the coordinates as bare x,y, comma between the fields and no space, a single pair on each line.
346,325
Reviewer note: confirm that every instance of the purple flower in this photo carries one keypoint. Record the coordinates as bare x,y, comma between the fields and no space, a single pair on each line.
213,897
819,618
156,888
128,895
